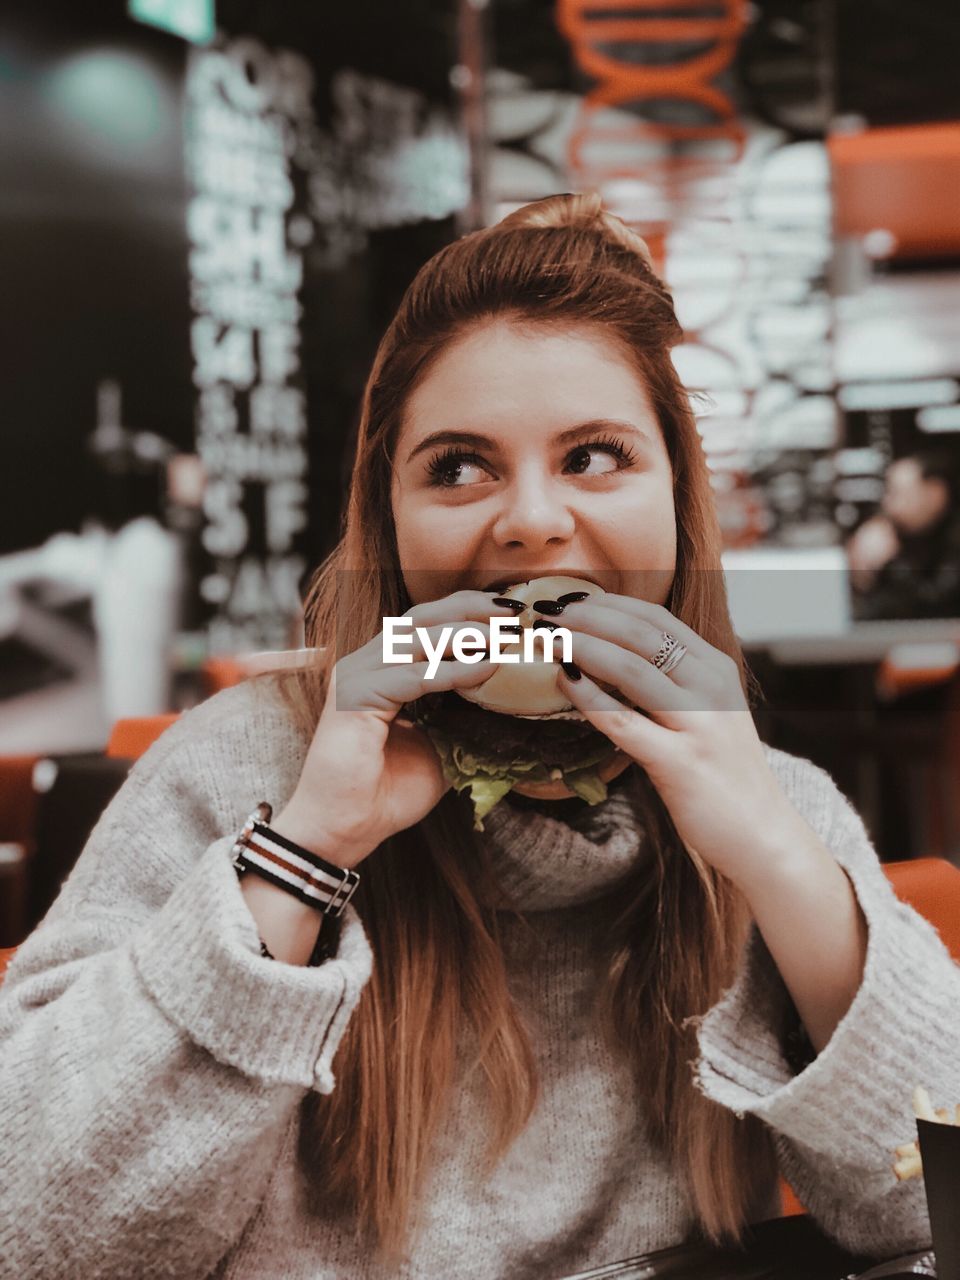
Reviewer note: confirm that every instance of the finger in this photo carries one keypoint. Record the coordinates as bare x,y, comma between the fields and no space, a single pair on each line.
461,606
639,680
411,645
641,738
388,688
435,635
654,615
635,635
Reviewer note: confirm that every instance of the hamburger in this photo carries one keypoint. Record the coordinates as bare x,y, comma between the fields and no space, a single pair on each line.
517,729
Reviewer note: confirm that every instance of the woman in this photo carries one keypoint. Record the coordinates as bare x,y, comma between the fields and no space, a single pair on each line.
562,1042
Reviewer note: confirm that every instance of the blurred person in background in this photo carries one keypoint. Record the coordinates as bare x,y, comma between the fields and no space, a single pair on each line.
905,560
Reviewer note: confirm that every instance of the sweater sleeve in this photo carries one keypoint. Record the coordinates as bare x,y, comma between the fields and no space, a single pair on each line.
837,1121
151,1060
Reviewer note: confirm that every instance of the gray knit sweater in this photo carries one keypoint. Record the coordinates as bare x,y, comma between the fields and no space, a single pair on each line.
157,1073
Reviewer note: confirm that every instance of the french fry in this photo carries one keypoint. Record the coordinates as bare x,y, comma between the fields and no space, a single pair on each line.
922,1107
909,1163
909,1167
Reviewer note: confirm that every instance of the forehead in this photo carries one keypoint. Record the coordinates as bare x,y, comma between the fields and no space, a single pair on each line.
503,371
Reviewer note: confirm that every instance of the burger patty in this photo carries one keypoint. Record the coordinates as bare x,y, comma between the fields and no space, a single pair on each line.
494,735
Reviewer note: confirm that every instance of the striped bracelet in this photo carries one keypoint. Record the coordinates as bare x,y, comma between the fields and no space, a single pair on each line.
289,866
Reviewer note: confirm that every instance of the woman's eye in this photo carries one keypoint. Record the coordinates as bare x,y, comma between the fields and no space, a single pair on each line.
452,470
607,456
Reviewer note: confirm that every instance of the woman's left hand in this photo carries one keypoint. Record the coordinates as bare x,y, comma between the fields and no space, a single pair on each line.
694,735
692,731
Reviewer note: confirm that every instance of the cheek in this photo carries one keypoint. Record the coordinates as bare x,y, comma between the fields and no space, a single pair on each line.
647,548
429,533
433,544
644,527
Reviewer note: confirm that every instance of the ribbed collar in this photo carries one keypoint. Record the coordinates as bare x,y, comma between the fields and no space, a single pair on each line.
544,862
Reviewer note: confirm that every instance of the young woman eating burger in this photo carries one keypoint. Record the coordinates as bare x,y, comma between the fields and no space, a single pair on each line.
604,1023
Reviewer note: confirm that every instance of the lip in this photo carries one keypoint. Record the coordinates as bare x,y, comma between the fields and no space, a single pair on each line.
505,583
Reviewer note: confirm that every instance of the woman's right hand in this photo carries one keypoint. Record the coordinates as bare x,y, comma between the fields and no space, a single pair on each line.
368,774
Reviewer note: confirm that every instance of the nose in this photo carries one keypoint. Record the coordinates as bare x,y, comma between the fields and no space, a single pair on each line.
533,513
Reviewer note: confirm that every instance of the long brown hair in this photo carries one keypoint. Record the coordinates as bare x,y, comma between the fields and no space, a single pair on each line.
438,978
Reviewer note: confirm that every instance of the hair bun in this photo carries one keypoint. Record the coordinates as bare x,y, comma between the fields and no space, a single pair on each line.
579,209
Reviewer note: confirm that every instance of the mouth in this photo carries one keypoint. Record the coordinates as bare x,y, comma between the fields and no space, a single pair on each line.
505,583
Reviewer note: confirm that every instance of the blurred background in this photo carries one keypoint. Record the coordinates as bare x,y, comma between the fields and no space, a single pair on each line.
208,212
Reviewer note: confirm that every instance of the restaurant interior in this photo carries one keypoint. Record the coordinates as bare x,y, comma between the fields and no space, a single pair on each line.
210,209
208,216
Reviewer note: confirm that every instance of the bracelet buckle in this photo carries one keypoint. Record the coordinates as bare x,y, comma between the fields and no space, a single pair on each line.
302,873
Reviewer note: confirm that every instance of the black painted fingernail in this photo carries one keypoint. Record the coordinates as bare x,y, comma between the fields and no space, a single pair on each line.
543,624
511,628
571,670
552,607
517,606
571,597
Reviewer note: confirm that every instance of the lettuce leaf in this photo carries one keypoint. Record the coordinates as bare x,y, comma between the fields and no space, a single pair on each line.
488,781
587,784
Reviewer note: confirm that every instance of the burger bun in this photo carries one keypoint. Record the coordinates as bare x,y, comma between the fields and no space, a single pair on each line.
531,689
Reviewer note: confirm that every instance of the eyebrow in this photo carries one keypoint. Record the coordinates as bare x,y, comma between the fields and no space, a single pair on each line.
476,441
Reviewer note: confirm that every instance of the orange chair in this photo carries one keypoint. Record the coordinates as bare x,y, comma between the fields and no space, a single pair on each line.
932,887
909,667
221,673
902,180
129,739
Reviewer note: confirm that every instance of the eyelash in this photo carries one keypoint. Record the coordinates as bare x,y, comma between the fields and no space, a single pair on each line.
442,461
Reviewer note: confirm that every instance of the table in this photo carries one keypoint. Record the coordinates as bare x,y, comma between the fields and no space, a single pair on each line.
862,642
782,1249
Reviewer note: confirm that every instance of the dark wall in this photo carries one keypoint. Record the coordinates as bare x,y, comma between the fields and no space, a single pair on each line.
92,250
897,63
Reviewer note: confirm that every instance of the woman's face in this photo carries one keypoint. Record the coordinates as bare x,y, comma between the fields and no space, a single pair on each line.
534,451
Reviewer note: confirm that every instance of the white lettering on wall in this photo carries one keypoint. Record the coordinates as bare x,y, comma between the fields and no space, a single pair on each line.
246,107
